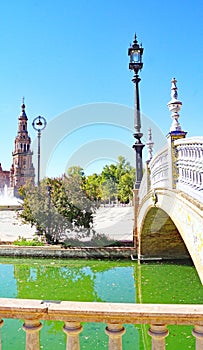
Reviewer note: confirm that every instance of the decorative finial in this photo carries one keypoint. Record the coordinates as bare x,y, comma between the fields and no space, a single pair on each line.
150,145
174,107
23,114
23,103
135,42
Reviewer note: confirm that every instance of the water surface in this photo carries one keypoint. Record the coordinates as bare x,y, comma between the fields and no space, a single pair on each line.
105,281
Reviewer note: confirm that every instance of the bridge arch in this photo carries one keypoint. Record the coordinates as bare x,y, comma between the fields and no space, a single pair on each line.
170,218
159,236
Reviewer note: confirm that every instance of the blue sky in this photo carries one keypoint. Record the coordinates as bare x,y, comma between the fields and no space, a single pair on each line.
64,54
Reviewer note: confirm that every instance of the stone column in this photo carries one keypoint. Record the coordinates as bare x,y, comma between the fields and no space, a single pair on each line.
72,329
115,333
198,334
32,328
158,332
175,133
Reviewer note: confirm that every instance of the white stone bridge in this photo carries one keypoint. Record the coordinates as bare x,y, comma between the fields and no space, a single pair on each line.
170,199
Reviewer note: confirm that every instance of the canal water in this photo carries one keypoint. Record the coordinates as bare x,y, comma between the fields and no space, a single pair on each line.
105,281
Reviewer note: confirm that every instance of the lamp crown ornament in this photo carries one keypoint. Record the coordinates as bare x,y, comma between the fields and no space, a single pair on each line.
135,42
174,107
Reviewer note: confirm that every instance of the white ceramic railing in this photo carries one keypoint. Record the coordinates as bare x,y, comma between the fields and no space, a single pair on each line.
156,174
184,168
158,316
159,169
190,166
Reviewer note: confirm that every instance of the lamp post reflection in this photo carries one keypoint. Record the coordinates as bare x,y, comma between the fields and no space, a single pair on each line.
49,214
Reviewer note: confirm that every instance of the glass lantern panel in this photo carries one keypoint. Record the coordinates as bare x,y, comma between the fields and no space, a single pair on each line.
135,57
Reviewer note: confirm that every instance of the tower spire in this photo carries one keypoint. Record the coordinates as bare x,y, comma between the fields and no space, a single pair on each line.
22,169
23,114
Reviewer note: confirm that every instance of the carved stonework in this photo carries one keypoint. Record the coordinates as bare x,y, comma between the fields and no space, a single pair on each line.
174,106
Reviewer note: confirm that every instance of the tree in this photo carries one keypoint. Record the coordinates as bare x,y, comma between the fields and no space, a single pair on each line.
39,211
93,188
113,179
64,209
125,186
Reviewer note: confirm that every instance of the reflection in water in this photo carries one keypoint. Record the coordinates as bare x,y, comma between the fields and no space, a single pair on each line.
169,283
106,281
74,280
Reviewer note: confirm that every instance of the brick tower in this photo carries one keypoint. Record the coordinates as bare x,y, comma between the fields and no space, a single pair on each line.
22,170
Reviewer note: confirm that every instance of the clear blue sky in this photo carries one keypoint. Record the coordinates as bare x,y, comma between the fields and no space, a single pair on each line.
63,54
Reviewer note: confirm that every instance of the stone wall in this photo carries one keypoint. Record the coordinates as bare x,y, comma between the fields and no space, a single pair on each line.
69,253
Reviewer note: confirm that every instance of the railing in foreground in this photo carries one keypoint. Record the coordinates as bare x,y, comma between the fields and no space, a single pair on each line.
113,314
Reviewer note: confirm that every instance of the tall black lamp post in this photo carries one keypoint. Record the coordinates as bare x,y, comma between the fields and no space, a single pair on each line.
39,124
135,52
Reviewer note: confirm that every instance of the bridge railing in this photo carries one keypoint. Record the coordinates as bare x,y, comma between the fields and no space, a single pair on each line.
156,174
190,166
115,315
159,169
179,167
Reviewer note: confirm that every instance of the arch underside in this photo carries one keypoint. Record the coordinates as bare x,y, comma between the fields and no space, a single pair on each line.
159,237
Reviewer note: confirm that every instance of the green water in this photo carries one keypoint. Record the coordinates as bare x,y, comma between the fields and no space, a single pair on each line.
106,281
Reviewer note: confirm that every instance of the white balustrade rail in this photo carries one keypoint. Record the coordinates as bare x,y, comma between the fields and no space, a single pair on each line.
159,169
156,174
158,316
187,169
190,166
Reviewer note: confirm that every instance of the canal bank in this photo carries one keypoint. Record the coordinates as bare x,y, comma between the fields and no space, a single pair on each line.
54,251
68,253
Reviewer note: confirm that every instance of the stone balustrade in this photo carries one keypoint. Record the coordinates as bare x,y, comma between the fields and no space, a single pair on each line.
159,169
115,315
156,174
190,166
184,168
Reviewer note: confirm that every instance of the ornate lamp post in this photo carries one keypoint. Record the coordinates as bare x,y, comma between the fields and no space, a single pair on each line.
135,52
39,124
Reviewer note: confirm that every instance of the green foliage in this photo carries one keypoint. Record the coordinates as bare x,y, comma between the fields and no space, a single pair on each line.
63,206
116,181
125,186
24,242
58,206
93,187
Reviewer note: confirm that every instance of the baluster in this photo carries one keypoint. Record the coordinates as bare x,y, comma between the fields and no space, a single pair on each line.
1,325
158,333
32,328
115,333
72,329
198,334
